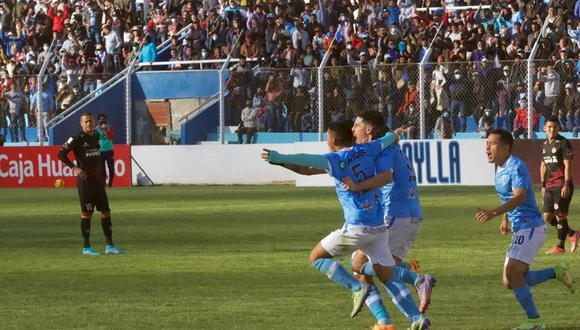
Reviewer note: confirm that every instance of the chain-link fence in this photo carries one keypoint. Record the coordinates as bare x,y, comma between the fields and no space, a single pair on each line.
469,98
460,99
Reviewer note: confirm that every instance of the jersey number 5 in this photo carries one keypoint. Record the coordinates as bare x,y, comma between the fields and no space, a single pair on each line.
358,173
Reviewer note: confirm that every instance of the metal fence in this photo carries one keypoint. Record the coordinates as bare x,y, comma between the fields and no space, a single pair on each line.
461,99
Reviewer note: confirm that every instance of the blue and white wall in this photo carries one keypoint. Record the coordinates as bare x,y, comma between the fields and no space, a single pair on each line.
437,162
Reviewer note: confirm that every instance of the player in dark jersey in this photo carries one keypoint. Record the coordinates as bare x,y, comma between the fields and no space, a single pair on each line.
90,182
557,185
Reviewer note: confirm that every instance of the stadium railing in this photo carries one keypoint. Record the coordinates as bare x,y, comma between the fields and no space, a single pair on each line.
163,47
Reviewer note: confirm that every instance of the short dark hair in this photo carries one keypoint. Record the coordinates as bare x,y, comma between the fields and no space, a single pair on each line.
86,114
505,137
376,120
553,119
342,132
101,115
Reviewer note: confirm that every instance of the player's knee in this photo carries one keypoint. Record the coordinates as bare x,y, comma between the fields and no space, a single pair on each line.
87,215
550,218
105,215
384,273
561,215
357,263
507,283
512,277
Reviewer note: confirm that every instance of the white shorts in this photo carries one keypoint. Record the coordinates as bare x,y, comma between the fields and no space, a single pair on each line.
402,234
526,243
372,241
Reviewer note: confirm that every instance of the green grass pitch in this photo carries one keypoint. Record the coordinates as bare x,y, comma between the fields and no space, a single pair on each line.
235,257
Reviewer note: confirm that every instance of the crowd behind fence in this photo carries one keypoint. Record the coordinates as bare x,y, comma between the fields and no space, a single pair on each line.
460,97
298,36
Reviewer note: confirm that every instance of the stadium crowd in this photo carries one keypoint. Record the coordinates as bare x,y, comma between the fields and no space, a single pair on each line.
476,71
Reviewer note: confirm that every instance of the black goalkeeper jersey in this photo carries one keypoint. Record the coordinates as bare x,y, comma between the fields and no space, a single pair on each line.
87,151
554,155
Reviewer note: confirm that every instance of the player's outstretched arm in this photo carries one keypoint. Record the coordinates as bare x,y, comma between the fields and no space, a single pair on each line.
308,160
518,198
388,139
303,170
377,181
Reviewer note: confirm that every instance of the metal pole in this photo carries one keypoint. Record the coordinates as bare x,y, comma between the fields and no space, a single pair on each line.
421,86
39,123
531,80
129,104
222,87
222,106
321,87
320,103
422,128
530,99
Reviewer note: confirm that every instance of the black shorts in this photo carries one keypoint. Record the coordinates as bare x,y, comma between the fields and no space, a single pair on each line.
554,203
92,195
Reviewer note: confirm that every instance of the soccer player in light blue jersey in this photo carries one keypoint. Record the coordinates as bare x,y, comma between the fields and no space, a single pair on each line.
364,226
515,190
403,215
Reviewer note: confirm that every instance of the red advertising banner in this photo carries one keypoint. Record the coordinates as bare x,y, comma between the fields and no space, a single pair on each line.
40,167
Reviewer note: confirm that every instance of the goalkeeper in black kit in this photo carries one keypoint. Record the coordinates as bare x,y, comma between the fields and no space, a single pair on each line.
90,182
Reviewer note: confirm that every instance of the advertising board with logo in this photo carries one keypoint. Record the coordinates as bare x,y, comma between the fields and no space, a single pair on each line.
40,167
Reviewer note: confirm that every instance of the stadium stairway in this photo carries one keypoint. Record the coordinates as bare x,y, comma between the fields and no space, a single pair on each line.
109,99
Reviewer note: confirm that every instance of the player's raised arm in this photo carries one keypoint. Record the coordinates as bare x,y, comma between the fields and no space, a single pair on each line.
388,139
307,160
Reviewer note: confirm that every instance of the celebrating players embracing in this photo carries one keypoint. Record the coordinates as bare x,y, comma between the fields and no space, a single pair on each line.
364,226
90,182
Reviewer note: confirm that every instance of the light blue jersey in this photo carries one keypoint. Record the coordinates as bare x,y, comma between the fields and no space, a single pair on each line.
514,174
358,162
400,198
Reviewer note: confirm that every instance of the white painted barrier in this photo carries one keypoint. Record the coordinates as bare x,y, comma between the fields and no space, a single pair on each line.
437,162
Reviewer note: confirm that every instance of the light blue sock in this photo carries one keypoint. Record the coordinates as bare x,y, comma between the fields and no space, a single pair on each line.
402,298
405,274
376,306
534,277
334,271
524,296
367,269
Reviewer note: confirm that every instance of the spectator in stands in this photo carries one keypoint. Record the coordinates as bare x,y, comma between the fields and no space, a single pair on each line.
148,51
409,123
521,126
570,105
47,106
15,99
444,127
485,123
551,80
410,98
459,90
248,124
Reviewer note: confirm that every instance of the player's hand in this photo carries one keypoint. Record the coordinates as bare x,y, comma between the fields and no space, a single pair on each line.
484,215
565,192
266,154
80,173
504,228
543,191
348,184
